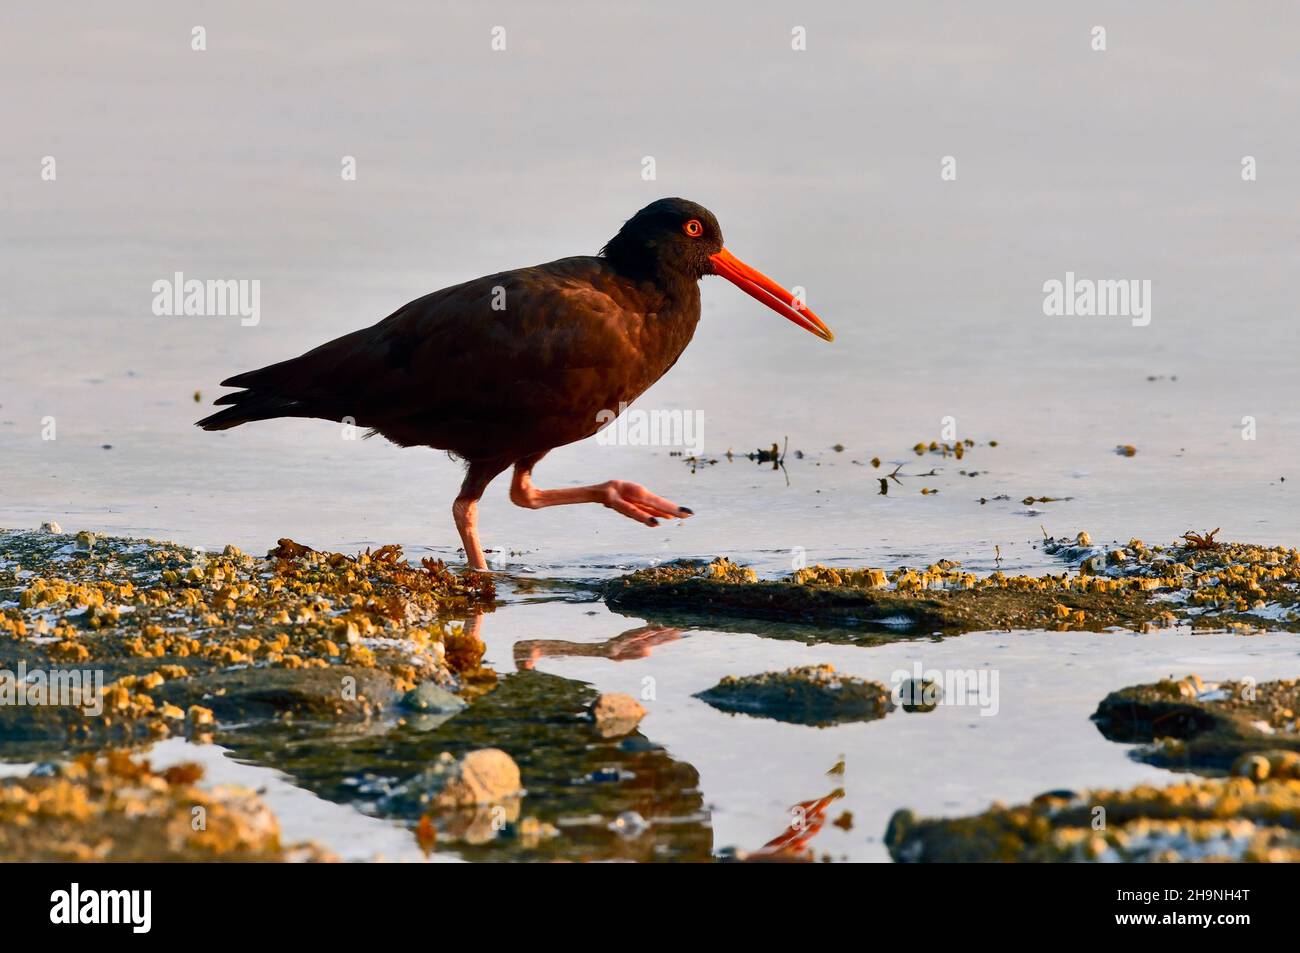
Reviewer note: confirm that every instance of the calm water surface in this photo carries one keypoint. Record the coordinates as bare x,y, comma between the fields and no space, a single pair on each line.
823,166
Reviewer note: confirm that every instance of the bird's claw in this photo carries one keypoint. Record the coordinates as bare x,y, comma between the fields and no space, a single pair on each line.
636,502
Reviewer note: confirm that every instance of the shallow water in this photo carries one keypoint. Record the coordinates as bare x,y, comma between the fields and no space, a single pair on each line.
707,781
823,167
951,761
226,164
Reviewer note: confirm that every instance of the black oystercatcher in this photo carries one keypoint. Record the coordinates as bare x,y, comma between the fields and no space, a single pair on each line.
502,369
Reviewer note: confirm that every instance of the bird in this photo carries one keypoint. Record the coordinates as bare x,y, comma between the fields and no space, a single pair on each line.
500,370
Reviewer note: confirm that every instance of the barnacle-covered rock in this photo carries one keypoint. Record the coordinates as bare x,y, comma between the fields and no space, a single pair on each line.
298,631
809,695
115,808
1190,724
1240,587
1233,819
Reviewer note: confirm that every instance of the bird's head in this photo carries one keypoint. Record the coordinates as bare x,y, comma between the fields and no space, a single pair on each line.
677,238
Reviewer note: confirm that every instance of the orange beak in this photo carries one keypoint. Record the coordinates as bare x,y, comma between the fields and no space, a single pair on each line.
762,288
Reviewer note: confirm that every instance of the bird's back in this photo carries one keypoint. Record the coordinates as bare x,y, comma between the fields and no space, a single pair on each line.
501,366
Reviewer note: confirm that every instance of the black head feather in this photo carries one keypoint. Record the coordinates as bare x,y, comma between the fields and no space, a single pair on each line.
657,242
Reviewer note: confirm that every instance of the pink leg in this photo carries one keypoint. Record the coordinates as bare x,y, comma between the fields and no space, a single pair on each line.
465,513
465,510
631,499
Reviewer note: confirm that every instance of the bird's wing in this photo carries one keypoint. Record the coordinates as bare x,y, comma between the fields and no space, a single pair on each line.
518,342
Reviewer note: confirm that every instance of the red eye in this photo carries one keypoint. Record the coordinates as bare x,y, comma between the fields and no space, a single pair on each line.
693,228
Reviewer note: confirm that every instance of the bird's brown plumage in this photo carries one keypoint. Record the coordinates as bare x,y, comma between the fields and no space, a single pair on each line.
502,369
506,365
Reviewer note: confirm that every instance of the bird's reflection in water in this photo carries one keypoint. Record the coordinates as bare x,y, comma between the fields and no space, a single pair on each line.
806,820
608,798
632,644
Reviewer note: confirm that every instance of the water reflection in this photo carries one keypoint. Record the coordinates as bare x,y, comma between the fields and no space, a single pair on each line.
806,820
635,643
623,798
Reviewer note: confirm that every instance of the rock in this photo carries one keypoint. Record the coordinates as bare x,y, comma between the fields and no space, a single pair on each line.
1230,819
116,809
811,695
481,824
242,694
531,831
86,541
482,777
616,714
940,598
920,695
52,527
431,699
1253,766
1184,723
1268,764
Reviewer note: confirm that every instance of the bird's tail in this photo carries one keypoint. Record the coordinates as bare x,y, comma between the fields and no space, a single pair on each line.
249,405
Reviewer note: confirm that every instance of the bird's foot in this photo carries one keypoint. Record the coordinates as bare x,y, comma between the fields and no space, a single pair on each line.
636,502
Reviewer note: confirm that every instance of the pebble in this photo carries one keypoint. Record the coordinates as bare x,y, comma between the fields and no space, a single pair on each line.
629,824
430,698
920,695
1255,767
485,776
616,714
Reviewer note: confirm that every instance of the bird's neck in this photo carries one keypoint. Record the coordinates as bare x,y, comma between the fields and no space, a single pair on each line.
642,262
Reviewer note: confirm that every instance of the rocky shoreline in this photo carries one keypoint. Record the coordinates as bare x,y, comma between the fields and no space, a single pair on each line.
1204,586
362,677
